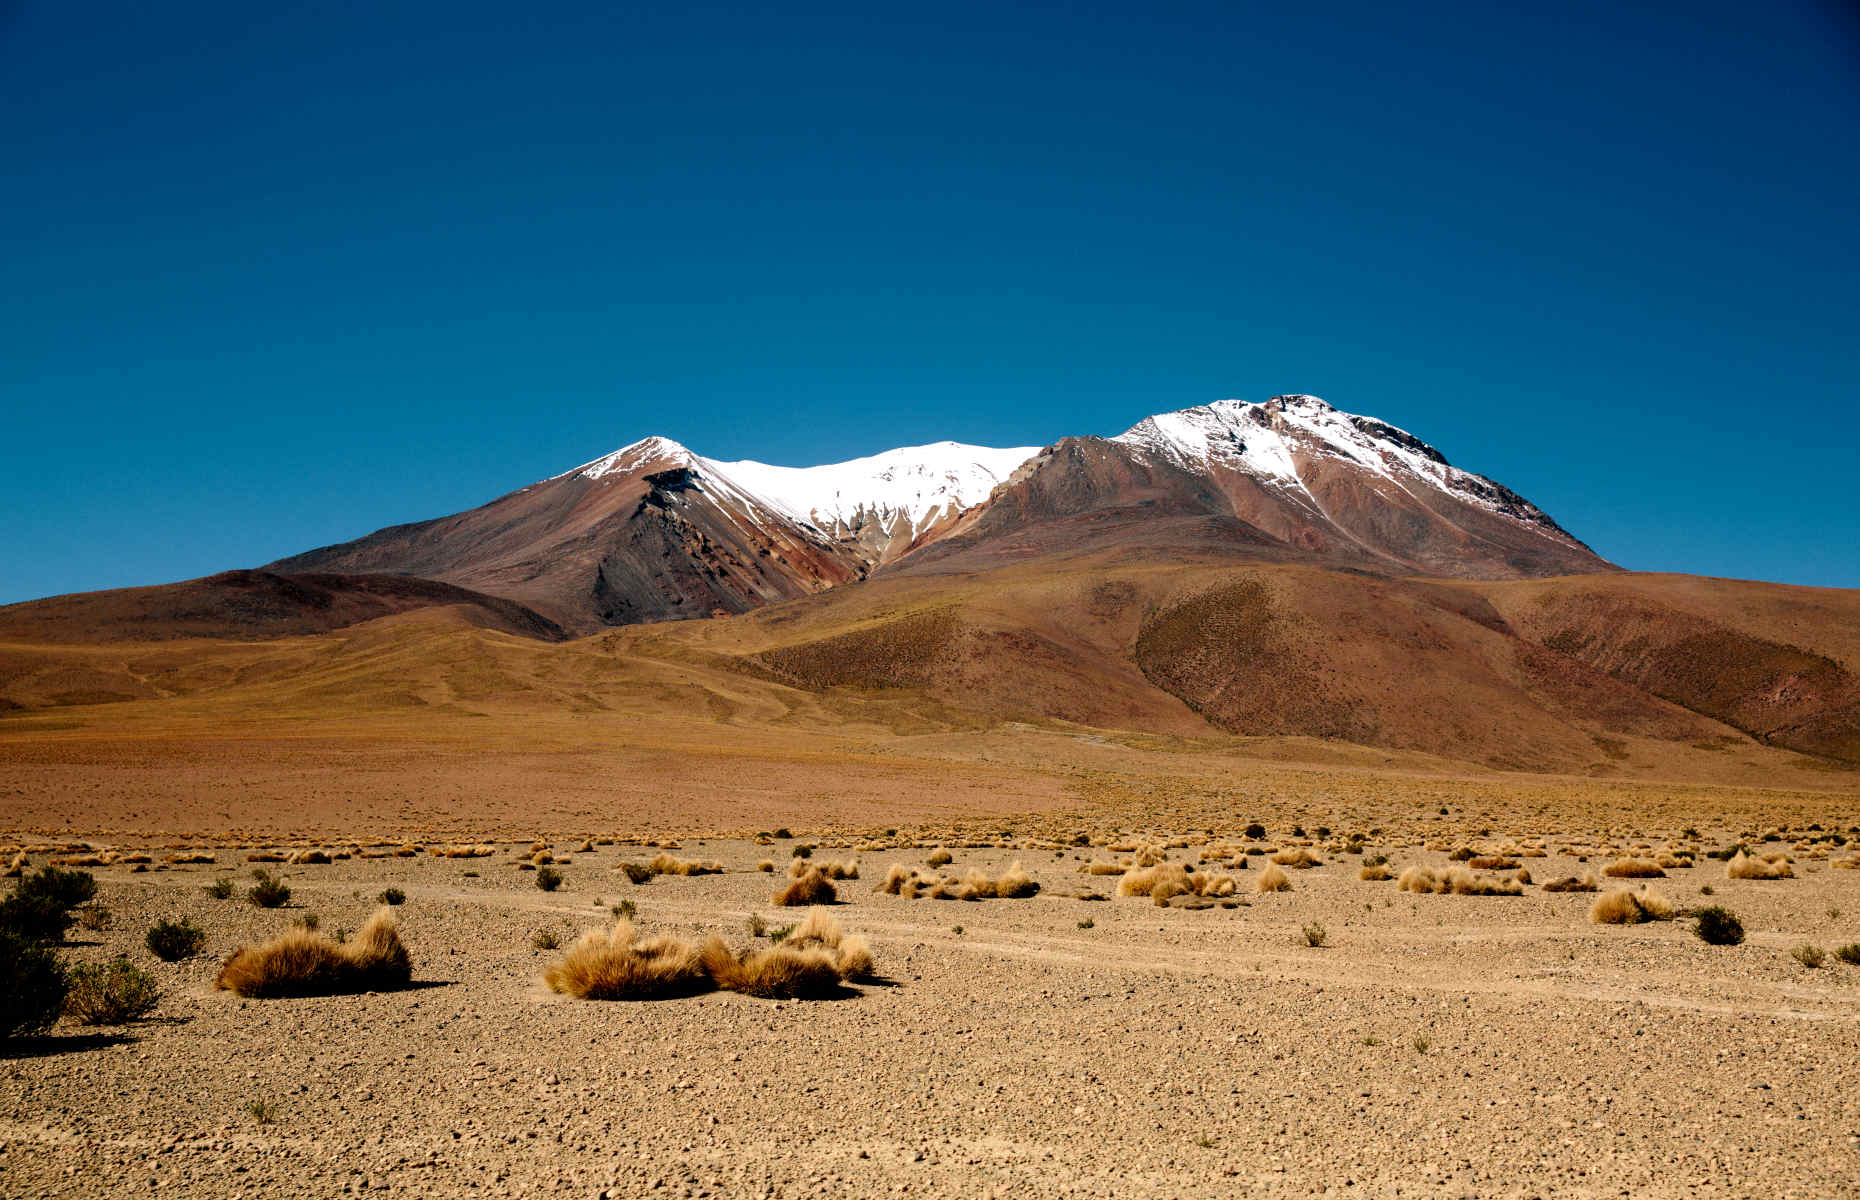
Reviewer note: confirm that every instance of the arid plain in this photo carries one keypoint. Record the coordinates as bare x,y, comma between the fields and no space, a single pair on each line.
1068,1043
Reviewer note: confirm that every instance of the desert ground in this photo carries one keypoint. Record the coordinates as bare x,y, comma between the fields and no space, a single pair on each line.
1074,1042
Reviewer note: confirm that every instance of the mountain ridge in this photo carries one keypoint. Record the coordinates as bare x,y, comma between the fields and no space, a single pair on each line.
653,531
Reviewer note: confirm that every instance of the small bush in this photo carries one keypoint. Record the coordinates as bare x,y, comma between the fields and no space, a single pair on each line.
1849,954
637,872
810,961
1623,907
1273,879
172,941
548,878
264,1112
1747,866
393,896
1634,868
616,964
113,993
1718,926
624,911
756,925
35,918
940,858
269,891
1315,935
546,939
303,962
220,889
1256,831
1809,955
33,984
95,918
65,888
811,888
1087,923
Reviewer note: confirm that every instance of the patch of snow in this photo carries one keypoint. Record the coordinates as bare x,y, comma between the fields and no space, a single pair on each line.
919,484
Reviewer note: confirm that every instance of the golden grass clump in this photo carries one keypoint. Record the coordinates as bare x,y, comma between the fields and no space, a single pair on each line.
1569,883
477,851
1748,866
766,866
190,857
304,962
617,964
1619,906
1634,868
1455,881
810,888
1493,862
1373,874
310,858
940,857
1273,879
1104,868
1850,863
812,960
1298,858
665,864
16,866
828,868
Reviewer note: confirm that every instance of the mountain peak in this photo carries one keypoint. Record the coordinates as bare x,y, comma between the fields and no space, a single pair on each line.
629,458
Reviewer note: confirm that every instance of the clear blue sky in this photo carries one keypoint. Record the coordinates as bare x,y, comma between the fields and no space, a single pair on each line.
273,275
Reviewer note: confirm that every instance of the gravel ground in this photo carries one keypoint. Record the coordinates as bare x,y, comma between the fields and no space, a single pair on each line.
1438,1045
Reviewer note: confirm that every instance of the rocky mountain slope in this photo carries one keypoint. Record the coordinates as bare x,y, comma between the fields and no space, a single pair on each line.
655,532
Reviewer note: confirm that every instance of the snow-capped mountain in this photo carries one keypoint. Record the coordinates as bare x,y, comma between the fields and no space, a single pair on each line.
653,531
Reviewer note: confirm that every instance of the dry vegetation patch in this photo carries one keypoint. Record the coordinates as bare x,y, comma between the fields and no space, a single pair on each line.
304,962
617,964
1620,906
1456,881
810,888
1748,866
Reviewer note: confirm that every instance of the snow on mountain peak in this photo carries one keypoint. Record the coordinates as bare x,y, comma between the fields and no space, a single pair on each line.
628,458
1270,440
917,483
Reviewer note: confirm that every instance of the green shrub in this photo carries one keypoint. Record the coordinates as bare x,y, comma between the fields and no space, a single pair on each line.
220,889
393,895
172,941
1809,955
33,984
67,888
269,891
113,993
35,918
1718,926
548,878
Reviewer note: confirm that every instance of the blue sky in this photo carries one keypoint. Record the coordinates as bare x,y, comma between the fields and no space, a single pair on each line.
276,275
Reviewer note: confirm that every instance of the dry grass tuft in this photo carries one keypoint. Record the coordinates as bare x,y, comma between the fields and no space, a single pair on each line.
1748,866
1493,862
810,888
189,858
1273,879
828,868
303,962
665,864
1634,868
1569,883
310,858
1455,881
1374,874
478,851
616,964
940,858
811,961
1297,858
1619,906
1104,868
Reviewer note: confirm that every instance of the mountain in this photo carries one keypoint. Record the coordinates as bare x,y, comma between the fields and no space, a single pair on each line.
654,532
1291,479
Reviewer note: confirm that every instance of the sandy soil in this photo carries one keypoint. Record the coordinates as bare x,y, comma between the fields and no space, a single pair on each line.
1439,1045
